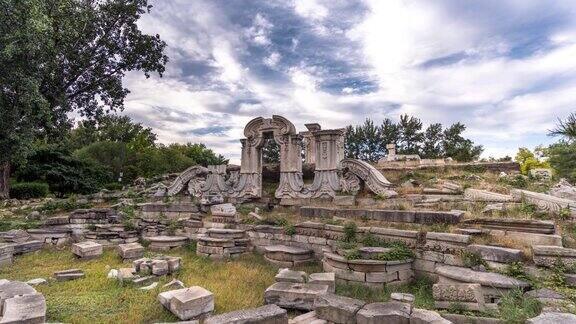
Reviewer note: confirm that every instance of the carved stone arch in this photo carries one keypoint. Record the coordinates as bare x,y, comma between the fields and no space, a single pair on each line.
182,181
373,179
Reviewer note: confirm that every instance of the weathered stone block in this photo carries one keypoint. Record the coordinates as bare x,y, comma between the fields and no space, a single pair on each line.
496,253
294,295
390,313
287,275
268,314
324,278
130,251
87,249
337,309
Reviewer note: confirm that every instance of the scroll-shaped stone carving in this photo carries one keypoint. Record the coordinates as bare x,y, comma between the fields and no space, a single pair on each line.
184,178
216,180
374,180
349,183
544,201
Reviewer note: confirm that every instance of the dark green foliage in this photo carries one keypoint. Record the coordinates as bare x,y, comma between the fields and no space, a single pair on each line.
368,141
353,254
432,146
516,270
64,173
399,252
458,147
562,158
471,259
27,190
289,229
410,135
63,56
350,229
271,152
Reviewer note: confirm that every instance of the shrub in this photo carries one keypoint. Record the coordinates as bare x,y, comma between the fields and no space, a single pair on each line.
350,229
353,254
471,259
27,190
289,229
399,252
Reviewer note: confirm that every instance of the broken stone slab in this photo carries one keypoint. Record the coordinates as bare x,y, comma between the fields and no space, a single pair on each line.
324,278
112,274
255,216
390,312
149,287
484,195
471,319
307,318
294,295
226,210
9,289
489,279
87,250
287,256
174,284
15,236
29,308
130,251
515,225
545,202
402,297
66,275
549,256
553,317
494,207
147,280
268,314
545,295
424,316
226,233
125,274
36,282
470,296
287,275
188,303
27,247
496,253
337,309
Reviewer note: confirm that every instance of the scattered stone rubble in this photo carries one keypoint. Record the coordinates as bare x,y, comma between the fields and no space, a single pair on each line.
66,275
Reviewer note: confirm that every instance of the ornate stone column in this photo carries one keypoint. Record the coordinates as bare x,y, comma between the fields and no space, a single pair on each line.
310,143
250,180
291,181
329,152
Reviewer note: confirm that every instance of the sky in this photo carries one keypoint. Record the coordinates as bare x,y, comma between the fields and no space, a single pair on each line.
504,68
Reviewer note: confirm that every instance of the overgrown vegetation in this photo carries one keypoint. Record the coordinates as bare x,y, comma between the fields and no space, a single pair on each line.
515,307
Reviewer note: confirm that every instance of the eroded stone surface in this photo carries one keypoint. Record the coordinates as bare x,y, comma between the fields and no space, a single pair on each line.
287,275
496,253
70,274
294,295
324,278
130,251
337,309
424,316
391,312
268,314
188,303
553,318
28,309
87,249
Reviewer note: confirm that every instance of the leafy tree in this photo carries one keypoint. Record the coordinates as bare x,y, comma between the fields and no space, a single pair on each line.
458,147
562,157
410,135
432,145
112,128
61,56
353,142
271,151
528,161
566,128
370,149
389,134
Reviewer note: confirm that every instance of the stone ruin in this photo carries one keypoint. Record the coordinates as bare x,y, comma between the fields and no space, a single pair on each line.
325,148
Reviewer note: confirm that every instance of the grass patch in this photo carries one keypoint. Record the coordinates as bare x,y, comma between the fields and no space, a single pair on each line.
236,285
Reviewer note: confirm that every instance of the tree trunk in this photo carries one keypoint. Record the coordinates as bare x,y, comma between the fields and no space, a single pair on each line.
4,180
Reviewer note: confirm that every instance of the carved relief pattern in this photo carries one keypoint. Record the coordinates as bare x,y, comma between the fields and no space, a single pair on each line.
374,180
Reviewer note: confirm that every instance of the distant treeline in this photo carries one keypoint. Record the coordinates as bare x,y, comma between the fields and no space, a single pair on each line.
368,141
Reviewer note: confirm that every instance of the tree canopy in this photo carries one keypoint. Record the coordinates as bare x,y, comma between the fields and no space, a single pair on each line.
63,56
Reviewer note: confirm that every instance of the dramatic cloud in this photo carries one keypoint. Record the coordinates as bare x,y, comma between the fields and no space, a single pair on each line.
504,68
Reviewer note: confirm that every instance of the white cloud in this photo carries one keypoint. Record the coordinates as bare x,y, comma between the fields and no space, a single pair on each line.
273,59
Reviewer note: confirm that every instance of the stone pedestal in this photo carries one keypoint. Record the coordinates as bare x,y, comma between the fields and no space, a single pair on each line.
130,251
223,243
188,303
